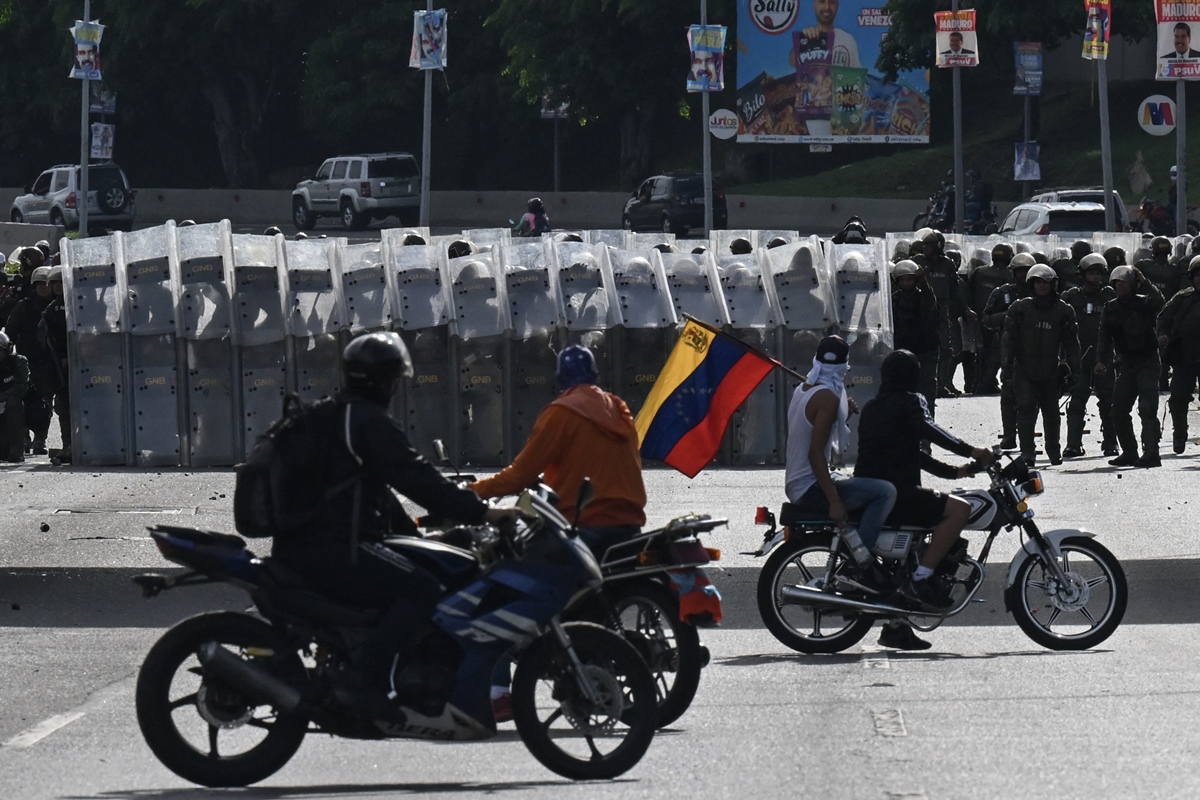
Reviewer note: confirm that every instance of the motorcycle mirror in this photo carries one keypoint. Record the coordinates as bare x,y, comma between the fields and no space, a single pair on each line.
439,449
586,495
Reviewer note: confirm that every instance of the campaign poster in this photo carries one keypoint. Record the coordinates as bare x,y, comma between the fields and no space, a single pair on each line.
102,141
1028,58
101,100
707,46
429,40
86,36
1026,161
788,52
1097,28
1178,60
957,43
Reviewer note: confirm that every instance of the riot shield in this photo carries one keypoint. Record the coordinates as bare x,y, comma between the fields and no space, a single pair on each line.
611,237
421,296
315,315
395,236
863,302
719,241
647,240
587,302
94,292
648,320
533,308
364,287
867,351
1129,242
260,330
484,238
767,237
895,245
481,325
802,283
154,348
754,436
694,286
205,312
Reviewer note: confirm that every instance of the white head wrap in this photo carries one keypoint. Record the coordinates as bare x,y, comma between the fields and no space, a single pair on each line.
833,377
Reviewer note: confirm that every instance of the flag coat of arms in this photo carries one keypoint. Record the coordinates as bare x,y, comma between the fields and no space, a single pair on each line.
706,377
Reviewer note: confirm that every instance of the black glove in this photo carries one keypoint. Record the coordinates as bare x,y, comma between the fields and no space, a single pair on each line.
1006,374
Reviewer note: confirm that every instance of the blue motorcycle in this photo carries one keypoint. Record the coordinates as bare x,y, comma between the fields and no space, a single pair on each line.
226,698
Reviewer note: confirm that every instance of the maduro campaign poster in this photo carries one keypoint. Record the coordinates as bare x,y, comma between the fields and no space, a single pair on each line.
87,37
1028,58
707,45
1177,58
429,40
806,75
1097,29
957,44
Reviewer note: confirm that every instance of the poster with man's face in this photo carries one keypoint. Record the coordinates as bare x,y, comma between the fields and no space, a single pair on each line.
706,44
429,40
86,36
957,42
1178,56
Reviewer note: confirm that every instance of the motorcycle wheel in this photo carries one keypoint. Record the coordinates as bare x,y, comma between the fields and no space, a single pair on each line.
1074,617
199,727
572,736
805,628
920,221
649,616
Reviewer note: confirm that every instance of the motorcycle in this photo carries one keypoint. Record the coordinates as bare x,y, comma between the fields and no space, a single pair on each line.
1157,219
1065,590
939,215
655,593
225,698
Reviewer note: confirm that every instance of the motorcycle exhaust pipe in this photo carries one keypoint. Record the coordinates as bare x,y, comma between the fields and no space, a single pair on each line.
250,678
808,596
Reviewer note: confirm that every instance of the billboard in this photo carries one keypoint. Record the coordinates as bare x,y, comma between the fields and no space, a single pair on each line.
806,74
1178,58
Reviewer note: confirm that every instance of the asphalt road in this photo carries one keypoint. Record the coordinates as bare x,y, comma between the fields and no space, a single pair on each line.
986,713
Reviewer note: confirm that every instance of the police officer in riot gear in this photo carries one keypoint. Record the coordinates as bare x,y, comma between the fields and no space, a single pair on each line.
942,275
1088,298
14,384
52,333
22,326
1115,256
1128,343
993,318
1169,279
984,280
1039,330
342,551
1179,336
915,324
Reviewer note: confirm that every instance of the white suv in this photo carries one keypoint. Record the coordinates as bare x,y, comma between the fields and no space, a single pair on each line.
1088,194
358,189
53,199
1082,219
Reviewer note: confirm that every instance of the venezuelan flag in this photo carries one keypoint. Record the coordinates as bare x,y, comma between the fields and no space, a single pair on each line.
707,376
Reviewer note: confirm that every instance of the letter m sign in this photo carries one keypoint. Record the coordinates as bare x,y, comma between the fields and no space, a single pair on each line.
1159,114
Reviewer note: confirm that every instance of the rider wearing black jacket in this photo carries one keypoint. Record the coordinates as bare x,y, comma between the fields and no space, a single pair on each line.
890,432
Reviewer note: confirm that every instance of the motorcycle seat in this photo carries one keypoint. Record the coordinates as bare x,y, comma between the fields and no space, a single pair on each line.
790,516
285,591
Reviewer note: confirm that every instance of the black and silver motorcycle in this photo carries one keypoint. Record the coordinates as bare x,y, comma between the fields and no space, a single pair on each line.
1065,590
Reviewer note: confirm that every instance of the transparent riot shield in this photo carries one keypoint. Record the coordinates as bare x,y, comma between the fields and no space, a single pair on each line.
895,245
421,297
867,351
719,241
315,314
648,320
587,302
774,238
260,332
206,314
753,436
617,238
863,302
480,325
648,240
364,287
694,286
533,309
484,238
155,351
94,295
803,284
1129,242
395,236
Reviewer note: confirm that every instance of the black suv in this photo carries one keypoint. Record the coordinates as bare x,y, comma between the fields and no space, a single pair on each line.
673,204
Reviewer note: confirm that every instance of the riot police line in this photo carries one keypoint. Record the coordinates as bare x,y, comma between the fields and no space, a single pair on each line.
183,341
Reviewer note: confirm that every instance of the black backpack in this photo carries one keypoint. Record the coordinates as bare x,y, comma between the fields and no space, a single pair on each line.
282,485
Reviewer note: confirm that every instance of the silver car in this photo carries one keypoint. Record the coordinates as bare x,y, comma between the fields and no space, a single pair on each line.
360,188
53,199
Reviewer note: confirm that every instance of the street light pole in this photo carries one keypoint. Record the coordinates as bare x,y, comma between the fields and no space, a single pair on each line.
708,181
81,202
426,140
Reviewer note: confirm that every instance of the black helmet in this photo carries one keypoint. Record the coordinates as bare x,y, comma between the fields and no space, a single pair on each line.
1193,266
1080,249
1115,256
372,365
412,238
576,365
1160,246
271,231
459,248
776,241
936,239
1194,247
1041,257
900,370
1093,262
1002,254
740,246
535,205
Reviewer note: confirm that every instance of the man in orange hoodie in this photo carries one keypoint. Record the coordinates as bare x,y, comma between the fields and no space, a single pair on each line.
585,433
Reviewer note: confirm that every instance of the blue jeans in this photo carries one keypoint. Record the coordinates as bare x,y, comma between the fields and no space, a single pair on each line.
873,497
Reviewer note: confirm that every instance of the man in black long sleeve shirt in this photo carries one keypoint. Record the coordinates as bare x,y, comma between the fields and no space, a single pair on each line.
890,433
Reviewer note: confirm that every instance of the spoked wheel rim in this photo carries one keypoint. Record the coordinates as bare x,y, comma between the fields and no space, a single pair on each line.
807,568
647,628
1088,602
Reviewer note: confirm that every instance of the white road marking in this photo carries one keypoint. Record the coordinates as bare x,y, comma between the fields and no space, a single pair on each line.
875,658
889,722
43,729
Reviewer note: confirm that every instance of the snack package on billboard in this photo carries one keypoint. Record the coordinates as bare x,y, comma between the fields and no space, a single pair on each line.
814,83
878,106
752,107
849,95
911,114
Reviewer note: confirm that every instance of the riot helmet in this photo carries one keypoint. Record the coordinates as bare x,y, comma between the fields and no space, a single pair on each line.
740,246
1002,254
1041,272
905,267
1115,256
1041,257
44,246
567,237
40,275
459,248
1021,261
1093,262
935,240
1160,247
187,223
300,236
1123,273
576,365
665,247
374,363
1193,266
1080,249
412,238
6,344
955,256
699,250
272,231
776,241
55,276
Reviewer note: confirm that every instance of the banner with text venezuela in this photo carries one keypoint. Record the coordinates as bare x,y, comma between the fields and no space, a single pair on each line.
707,376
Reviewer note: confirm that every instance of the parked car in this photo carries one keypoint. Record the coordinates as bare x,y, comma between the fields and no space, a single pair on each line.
1081,219
53,198
1086,194
674,204
358,189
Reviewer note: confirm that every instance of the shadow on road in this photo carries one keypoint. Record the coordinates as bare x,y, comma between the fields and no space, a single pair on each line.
331,790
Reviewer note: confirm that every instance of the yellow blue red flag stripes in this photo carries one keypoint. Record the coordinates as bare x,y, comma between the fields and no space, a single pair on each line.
707,376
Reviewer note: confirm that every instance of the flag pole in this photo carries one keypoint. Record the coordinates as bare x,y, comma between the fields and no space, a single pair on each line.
746,346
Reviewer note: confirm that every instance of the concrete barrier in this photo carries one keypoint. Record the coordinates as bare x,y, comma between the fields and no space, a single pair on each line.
567,210
15,234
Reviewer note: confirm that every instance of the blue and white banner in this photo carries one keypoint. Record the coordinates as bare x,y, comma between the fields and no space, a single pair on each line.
86,36
429,40
707,46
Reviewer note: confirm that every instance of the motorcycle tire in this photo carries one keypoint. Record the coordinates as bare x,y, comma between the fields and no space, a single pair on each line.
1037,603
920,221
648,613
570,735
805,628
181,711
